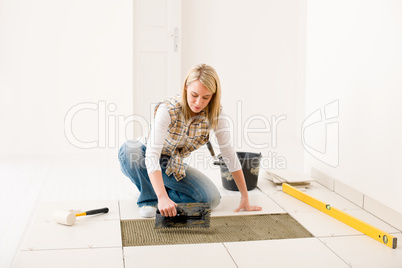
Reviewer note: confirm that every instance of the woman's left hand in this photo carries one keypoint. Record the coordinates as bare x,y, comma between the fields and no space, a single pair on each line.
238,177
245,205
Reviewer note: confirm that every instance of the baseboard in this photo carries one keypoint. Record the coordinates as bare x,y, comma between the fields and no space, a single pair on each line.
383,212
323,178
349,193
362,200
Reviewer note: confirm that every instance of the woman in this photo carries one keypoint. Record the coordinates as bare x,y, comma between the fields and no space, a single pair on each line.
154,163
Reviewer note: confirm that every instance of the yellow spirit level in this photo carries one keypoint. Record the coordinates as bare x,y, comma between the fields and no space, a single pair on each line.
361,226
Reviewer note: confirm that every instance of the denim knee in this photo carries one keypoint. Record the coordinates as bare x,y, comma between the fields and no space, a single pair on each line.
212,196
215,200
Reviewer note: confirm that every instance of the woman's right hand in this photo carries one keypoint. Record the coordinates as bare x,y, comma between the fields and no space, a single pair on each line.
167,207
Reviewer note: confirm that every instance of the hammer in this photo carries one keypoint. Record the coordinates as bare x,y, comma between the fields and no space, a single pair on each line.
69,217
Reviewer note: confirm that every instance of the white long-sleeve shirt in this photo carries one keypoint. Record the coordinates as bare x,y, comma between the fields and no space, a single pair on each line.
159,130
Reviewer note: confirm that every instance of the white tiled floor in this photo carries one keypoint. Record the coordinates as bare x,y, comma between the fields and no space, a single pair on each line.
77,258
363,251
306,252
197,255
100,231
95,181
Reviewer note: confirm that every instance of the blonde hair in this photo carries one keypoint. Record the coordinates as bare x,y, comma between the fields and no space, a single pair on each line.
209,78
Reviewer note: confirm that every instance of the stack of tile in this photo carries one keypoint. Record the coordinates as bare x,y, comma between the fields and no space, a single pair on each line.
291,177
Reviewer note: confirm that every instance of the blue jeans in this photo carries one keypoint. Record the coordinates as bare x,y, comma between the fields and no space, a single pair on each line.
194,188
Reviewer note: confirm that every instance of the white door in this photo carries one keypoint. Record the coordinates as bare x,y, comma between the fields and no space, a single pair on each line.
157,54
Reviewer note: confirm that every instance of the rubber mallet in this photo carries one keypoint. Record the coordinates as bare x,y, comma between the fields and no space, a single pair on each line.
69,217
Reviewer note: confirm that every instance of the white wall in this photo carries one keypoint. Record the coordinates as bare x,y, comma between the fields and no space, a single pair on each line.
55,55
254,46
354,56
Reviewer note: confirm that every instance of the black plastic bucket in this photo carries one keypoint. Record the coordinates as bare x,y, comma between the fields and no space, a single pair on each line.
250,163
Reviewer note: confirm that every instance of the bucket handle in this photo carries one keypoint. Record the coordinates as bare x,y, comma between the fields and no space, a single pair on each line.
218,163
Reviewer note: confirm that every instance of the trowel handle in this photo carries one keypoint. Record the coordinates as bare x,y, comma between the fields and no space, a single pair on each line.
97,211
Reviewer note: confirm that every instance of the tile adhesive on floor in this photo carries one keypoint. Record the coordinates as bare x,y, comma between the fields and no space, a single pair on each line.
223,229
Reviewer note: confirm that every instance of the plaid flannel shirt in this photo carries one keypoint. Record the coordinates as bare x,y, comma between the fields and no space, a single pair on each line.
197,135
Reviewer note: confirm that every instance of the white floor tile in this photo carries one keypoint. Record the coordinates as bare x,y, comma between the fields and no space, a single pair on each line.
77,258
230,203
85,234
303,252
266,186
21,181
365,252
129,209
320,224
194,255
289,203
89,231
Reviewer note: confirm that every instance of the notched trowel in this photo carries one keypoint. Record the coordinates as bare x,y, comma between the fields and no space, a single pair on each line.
189,215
